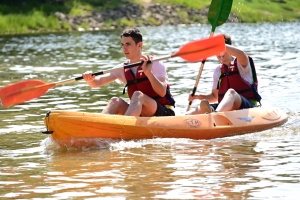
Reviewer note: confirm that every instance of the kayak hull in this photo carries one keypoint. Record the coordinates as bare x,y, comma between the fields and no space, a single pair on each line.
70,128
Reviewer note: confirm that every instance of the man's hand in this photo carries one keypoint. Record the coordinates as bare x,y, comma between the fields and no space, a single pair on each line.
88,76
147,68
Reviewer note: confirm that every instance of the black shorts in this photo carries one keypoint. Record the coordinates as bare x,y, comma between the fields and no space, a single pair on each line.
245,104
163,111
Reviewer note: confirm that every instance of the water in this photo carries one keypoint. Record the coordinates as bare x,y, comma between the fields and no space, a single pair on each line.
261,165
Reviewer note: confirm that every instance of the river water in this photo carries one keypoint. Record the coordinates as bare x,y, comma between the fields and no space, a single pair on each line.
263,165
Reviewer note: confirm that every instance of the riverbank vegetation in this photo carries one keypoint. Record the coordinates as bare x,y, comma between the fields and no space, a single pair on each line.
27,16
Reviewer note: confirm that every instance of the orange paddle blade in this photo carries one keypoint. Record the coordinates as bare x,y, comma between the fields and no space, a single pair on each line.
9,89
23,91
201,49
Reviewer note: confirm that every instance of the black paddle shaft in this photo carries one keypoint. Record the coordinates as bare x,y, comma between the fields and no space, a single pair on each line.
115,69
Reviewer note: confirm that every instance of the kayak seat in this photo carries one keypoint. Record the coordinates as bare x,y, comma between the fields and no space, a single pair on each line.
220,120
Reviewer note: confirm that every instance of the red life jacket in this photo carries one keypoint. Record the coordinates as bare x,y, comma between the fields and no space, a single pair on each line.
230,78
140,82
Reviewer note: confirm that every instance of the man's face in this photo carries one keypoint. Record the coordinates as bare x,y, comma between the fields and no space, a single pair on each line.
130,48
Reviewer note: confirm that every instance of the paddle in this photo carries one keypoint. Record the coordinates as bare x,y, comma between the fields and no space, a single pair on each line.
26,90
218,13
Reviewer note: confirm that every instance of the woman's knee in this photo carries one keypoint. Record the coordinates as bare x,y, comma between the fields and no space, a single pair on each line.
231,91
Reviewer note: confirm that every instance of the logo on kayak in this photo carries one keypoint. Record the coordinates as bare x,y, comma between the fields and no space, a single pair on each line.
247,119
193,123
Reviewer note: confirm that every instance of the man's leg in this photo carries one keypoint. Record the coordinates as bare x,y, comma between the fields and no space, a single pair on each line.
116,105
141,104
231,101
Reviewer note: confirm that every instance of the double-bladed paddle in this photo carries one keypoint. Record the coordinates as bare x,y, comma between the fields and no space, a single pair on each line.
26,90
218,13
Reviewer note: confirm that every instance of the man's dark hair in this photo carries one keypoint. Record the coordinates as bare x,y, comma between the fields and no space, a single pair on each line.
227,39
134,33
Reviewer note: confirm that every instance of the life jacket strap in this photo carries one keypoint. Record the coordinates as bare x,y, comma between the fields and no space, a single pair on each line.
228,74
135,81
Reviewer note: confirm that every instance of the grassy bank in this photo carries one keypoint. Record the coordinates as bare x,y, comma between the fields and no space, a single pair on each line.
253,11
21,16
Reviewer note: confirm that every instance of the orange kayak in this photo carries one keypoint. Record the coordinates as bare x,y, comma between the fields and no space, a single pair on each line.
70,128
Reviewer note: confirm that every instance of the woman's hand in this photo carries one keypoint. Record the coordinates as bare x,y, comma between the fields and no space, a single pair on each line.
191,98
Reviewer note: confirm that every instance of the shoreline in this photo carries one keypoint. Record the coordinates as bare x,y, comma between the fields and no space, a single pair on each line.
137,15
131,14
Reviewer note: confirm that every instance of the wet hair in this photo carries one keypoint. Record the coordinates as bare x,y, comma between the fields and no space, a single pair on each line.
227,39
134,33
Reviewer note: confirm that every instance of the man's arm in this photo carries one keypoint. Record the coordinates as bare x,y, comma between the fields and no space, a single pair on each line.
97,81
158,84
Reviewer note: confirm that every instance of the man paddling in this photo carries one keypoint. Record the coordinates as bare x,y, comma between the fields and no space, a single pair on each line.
147,85
234,83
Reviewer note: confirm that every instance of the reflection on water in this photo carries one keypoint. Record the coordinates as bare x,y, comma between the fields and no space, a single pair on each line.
159,169
256,166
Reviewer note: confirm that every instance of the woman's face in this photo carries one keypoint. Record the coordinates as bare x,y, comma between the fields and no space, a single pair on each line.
224,58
